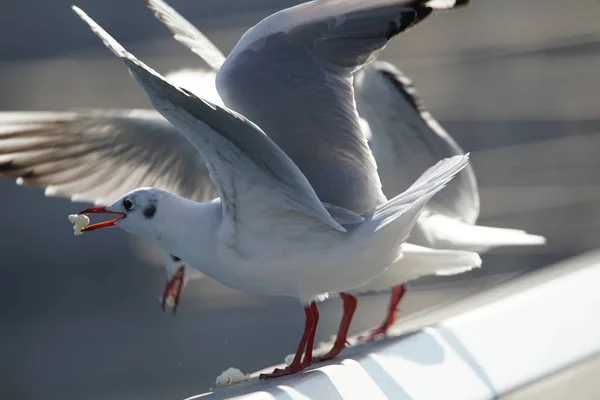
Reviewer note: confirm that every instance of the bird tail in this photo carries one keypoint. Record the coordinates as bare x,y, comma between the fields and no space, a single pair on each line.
409,204
449,233
390,224
418,261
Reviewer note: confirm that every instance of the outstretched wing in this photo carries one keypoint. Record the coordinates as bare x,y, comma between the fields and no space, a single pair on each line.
100,155
292,75
406,140
253,176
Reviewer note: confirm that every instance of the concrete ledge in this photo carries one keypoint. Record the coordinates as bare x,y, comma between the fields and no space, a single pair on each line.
481,347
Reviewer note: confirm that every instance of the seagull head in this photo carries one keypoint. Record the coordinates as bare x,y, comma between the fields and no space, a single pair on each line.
136,212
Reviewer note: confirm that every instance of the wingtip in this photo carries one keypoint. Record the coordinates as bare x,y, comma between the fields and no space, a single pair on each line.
459,160
447,4
135,66
80,13
477,262
104,36
538,240
156,6
153,5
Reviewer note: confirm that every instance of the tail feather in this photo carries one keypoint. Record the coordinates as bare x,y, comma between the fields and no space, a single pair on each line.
442,170
417,261
416,196
449,233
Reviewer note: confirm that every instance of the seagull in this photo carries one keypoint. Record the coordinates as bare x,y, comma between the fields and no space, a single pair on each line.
405,140
247,89
146,145
146,142
105,127
404,137
136,148
268,232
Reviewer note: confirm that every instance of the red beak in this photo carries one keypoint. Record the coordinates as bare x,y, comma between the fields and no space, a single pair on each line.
105,224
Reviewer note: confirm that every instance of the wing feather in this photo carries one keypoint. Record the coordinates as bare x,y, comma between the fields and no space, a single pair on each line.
253,176
100,155
406,140
292,75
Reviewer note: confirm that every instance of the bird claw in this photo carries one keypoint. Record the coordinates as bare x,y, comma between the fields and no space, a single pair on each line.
335,350
375,334
292,369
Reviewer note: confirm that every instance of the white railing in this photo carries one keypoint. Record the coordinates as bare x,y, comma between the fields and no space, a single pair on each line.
481,347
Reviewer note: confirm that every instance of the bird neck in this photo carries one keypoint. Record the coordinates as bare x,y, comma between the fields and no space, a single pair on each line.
190,230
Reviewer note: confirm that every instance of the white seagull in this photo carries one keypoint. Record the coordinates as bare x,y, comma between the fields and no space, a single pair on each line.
391,95
268,232
179,273
64,145
405,140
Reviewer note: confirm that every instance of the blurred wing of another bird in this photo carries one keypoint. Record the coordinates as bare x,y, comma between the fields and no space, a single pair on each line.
100,155
406,139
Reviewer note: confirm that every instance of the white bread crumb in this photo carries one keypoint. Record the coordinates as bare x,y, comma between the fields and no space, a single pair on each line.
79,222
231,376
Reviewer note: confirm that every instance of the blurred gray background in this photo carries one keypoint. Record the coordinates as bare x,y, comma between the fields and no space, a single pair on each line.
516,82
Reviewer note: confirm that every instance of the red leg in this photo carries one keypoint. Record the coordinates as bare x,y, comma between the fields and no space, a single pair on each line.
310,343
173,289
341,340
310,327
397,294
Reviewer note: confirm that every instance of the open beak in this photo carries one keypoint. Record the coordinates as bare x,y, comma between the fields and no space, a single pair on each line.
105,224
173,290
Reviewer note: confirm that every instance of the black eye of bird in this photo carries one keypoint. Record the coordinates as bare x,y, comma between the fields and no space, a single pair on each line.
128,204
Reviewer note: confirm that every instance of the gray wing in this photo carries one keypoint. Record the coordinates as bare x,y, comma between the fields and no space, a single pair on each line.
253,176
292,75
185,33
406,140
100,155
